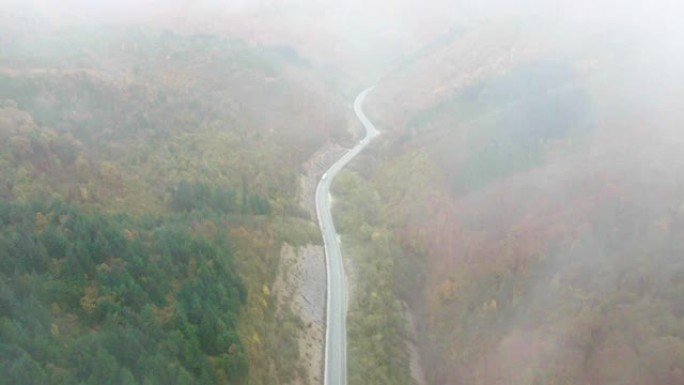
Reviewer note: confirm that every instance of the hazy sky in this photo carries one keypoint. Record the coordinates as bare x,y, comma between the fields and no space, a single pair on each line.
360,35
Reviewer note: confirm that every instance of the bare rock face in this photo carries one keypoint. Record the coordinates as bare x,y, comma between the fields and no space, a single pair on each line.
300,287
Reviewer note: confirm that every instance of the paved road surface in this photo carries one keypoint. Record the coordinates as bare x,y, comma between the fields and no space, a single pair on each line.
336,330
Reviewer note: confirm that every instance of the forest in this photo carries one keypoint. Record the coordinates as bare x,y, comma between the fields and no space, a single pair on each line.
145,197
520,219
104,299
542,197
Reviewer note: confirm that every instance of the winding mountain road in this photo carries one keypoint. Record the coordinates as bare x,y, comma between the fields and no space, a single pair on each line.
336,329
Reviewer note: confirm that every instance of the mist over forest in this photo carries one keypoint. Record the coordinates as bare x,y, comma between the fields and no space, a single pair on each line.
520,219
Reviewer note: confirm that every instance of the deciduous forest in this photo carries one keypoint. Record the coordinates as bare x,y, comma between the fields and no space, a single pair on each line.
543,197
144,196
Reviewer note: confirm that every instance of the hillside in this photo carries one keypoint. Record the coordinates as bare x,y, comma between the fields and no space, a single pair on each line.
149,181
534,171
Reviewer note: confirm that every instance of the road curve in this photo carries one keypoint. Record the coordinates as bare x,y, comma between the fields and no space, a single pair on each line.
336,329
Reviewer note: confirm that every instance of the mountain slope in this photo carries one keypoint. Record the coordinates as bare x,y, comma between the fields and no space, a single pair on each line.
535,173
149,181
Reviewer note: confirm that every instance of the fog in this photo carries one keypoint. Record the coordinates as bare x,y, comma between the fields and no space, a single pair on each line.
529,172
367,38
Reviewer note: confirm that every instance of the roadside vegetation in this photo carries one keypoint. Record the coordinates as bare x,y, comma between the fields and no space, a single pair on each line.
380,273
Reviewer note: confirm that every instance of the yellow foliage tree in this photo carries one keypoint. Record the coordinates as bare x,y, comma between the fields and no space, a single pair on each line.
41,222
89,300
